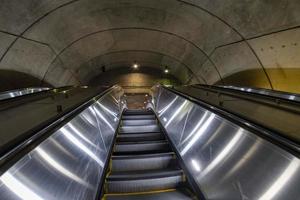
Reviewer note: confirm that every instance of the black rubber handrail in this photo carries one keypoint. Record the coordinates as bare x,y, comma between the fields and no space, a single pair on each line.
270,135
49,91
26,88
45,129
274,98
23,99
256,98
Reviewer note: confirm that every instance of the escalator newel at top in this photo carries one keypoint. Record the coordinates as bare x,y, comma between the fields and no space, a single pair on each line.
143,165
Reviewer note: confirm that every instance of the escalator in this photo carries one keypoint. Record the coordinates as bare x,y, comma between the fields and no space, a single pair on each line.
178,148
143,165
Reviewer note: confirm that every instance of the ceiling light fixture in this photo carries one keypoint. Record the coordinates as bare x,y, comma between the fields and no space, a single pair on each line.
135,65
166,70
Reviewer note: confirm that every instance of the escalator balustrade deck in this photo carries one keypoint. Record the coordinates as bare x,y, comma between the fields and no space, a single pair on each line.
143,165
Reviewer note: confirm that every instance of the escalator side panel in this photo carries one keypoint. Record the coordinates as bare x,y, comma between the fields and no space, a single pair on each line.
225,160
71,159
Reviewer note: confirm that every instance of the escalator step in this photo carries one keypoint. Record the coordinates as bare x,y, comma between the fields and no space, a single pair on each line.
137,112
143,162
136,137
141,147
140,122
138,117
172,194
139,129
136,181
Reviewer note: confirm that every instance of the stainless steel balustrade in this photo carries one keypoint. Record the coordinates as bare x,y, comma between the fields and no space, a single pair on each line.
21,92
225,160
69,164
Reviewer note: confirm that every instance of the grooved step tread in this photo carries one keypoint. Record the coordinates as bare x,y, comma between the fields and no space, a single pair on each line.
138,117
126,163
142,147
151,155
139,129
139,134
127,112
171,194
141,122
143,142
135,137
141,152
145,174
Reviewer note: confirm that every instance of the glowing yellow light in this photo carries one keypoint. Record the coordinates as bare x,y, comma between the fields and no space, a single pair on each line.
135,66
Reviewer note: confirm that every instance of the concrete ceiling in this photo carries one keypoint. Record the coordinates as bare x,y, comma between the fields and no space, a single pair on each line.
64,42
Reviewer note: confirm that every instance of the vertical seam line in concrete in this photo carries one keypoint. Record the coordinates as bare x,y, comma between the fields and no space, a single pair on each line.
188,80
48,68
235,30
215,66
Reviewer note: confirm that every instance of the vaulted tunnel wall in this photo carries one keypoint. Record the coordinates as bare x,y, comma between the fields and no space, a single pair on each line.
63,42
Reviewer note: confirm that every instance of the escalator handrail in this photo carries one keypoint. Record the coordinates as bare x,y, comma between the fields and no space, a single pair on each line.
20,100
26,88
270,95
270,135
12,155
257,98
39,89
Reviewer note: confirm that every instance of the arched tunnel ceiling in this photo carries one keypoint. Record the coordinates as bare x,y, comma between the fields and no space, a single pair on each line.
115,59
65,42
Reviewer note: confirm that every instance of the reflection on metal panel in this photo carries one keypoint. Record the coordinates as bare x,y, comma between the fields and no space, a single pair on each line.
226,161
21,92
69,164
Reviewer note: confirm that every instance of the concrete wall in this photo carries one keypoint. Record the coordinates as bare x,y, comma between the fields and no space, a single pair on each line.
134,81
62,42
275,62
